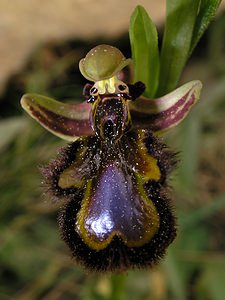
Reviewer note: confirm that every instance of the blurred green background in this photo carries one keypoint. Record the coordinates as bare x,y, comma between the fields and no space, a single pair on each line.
35,263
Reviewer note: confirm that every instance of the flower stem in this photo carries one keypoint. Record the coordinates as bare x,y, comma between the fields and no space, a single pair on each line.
118,286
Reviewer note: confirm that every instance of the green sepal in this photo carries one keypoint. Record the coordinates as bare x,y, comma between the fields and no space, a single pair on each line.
163,113
65,120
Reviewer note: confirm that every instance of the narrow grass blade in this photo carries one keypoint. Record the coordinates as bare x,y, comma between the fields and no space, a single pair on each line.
207,11
180,21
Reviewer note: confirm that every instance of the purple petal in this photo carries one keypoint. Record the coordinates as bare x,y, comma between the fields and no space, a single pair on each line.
68,121
165,112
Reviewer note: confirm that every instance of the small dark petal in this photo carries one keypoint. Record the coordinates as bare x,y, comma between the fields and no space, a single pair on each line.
136,89
86,90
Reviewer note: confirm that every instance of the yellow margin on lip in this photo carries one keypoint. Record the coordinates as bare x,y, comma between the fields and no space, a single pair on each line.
100,245
68,178
152,171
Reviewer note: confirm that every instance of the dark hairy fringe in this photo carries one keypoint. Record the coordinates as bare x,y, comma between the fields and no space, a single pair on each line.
52,171
167,159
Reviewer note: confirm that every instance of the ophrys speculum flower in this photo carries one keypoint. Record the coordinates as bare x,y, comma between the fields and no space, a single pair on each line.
114,174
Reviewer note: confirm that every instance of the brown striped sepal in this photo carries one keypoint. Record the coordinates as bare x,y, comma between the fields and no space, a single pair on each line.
165,112
67,121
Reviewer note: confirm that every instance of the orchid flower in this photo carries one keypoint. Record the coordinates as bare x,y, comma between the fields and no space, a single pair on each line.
113,174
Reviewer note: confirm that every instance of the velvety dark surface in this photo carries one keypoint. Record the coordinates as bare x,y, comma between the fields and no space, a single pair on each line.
117,199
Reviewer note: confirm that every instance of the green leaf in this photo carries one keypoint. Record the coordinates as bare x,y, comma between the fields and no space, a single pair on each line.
206,13
145,53
180,21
